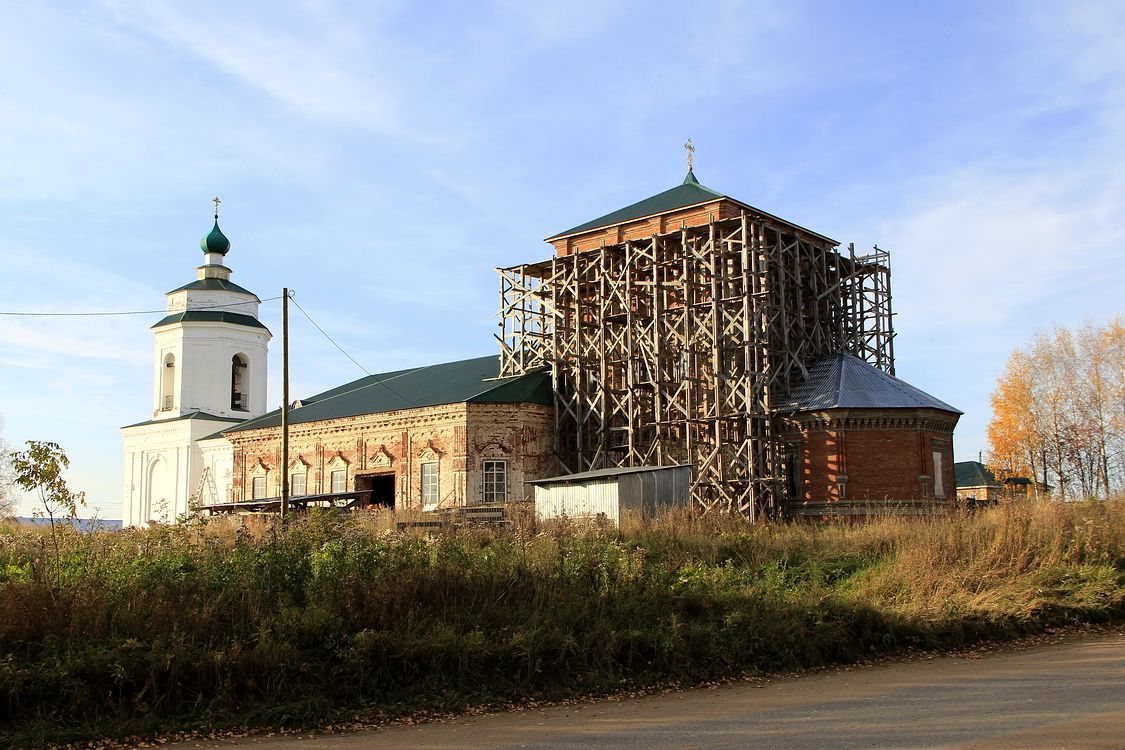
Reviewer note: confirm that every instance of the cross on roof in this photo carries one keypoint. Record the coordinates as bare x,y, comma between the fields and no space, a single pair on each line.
216,201
690,154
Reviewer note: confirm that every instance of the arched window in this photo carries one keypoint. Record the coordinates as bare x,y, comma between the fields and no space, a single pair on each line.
168,383
239,399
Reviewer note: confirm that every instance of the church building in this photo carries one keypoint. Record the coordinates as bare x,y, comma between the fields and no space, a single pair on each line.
688,329
208,373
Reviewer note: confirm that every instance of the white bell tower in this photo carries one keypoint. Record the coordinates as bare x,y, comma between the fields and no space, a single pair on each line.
209,372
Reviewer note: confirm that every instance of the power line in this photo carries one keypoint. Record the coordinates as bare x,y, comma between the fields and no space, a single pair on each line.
357,364
29,314
128,312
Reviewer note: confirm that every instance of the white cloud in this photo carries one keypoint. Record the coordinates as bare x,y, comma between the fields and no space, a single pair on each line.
983,245
995,247
87,342
310,59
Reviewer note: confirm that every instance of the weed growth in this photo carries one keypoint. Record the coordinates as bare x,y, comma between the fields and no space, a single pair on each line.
210,625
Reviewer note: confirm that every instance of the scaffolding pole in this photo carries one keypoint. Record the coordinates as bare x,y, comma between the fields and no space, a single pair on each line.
675,348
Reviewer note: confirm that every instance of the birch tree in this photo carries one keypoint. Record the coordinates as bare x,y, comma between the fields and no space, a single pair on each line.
1059,411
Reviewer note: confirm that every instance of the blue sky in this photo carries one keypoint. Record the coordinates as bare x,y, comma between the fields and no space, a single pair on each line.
382,158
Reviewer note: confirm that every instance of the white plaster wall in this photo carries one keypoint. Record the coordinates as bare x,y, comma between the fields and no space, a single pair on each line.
213,299
173,447
218,459
203,353
164,459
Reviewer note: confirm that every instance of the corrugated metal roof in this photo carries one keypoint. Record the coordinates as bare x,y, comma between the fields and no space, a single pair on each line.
466,381
974,474
844,381
605,473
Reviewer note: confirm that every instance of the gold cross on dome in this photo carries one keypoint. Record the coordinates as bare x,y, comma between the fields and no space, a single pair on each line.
690,154
216,201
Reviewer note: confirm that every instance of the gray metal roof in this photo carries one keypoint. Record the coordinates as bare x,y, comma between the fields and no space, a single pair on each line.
844,381
604,473
466,381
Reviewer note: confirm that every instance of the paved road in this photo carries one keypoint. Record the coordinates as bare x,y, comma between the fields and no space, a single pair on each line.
1070,695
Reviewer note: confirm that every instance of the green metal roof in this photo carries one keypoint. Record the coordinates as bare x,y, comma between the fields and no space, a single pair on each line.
215,241
688,193
467,381
210,316
200,415
974,474
214,285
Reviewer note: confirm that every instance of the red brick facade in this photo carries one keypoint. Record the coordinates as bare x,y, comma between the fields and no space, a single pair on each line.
373,448
859,461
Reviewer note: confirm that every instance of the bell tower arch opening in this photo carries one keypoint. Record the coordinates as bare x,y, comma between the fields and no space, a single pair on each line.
240,383
168,383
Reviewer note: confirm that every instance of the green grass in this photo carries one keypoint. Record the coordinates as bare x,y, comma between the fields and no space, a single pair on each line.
203,627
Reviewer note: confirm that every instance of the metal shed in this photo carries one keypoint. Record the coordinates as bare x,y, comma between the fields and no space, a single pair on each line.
646,490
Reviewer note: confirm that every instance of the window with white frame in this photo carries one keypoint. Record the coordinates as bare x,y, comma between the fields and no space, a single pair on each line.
429,483
297,484
258,488
495,482
340,480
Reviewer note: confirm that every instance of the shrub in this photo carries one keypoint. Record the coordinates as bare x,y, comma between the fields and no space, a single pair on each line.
205,626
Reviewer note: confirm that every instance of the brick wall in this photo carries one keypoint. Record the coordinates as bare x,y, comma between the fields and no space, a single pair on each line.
456,437
853,460
522,437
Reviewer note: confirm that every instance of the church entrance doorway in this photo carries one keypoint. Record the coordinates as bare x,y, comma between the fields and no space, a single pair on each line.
381,487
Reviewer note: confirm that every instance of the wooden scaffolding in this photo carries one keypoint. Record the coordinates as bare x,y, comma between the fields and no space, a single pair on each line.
673,349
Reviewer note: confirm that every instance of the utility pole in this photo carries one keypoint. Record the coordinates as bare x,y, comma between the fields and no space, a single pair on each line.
284,405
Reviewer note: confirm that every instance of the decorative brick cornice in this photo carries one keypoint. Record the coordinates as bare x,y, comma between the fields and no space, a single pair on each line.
873,419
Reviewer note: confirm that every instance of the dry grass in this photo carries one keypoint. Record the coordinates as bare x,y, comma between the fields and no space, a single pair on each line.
222,624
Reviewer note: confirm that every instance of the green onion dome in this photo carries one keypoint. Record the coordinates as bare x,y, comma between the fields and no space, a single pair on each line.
215,241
